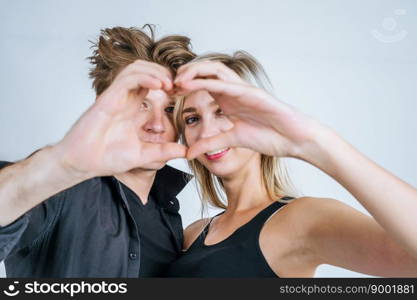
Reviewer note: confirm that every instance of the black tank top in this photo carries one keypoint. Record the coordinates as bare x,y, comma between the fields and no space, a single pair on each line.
239,255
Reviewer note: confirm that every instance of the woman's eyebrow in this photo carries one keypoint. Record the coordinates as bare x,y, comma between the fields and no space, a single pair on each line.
193,109
189,109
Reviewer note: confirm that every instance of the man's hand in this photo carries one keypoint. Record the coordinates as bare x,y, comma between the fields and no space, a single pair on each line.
104,141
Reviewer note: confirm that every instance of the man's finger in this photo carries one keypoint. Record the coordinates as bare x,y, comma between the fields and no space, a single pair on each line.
155,66
137,80
151,69
142,92
166,83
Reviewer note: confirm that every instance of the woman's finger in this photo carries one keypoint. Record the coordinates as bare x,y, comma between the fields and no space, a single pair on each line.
207,69
220,141
154,152
213,86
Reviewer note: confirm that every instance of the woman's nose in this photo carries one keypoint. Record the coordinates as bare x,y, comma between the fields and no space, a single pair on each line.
209,128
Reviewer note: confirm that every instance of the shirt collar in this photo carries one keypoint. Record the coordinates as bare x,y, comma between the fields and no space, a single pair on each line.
169,182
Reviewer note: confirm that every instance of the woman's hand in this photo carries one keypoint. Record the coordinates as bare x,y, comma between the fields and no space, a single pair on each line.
261,122
267,125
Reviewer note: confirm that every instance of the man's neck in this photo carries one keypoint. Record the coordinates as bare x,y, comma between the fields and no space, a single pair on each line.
138,180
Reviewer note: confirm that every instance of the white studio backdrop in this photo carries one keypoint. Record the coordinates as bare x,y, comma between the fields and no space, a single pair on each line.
352,65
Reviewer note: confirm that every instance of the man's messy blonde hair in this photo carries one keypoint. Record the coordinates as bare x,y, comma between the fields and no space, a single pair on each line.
118,47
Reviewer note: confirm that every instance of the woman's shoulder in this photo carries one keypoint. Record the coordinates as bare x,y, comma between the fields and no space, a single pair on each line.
306,212
309,202
300,224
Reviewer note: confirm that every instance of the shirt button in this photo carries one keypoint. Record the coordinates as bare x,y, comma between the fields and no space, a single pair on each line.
133,255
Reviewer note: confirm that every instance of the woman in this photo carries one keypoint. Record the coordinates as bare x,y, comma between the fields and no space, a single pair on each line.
235,132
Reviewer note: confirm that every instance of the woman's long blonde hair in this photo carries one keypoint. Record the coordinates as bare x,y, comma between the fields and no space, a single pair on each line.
274,175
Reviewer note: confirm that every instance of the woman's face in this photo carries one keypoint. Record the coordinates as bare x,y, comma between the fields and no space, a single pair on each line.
203,118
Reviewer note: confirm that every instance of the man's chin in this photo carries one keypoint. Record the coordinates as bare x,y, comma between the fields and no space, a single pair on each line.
154,166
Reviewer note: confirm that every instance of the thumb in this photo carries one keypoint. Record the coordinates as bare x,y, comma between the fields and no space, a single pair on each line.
163,152
223,140
142,92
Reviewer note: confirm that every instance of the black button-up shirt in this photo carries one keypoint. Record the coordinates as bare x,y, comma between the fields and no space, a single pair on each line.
87,230
157,244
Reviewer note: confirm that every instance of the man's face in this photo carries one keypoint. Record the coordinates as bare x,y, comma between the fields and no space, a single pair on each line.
155,120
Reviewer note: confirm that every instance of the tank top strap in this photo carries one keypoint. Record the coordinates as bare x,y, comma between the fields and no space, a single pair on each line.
252,228
264,215
206,228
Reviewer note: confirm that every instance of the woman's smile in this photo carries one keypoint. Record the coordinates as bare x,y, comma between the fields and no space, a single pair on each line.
216,155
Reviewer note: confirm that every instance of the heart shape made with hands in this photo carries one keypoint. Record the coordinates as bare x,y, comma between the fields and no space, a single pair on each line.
260,121
111,144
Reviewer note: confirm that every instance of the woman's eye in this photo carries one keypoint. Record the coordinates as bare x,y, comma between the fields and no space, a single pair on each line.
191,120
169,109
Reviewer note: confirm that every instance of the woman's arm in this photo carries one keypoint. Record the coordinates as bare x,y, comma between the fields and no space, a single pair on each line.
269,126
391,201
339,235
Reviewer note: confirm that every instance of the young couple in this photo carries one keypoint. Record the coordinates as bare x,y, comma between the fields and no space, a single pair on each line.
101,202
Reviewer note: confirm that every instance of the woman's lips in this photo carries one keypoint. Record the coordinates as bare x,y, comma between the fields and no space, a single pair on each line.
214,155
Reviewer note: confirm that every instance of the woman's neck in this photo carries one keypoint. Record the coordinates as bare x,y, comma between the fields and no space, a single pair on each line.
245,189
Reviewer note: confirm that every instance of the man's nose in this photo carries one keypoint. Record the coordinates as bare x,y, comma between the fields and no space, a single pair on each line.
155,122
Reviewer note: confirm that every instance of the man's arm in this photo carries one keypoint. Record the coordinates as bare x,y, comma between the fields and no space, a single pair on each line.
25,184
103,142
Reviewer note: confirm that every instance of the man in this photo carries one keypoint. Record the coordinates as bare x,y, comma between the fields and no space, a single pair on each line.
101,203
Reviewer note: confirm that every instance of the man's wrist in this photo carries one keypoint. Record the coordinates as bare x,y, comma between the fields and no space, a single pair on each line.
64,169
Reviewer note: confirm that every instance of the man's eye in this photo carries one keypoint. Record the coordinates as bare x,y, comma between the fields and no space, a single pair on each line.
169,109
144,106
191,120
219,111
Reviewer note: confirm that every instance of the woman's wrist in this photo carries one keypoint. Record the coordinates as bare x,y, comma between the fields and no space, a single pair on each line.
323,149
